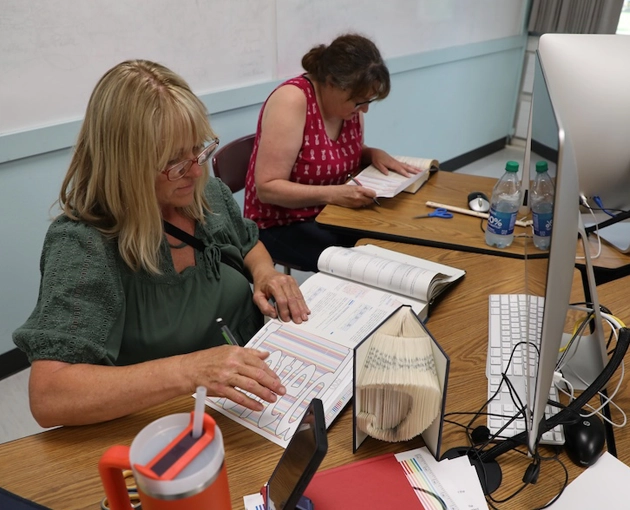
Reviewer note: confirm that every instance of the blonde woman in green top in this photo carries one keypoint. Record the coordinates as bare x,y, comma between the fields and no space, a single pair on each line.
126,313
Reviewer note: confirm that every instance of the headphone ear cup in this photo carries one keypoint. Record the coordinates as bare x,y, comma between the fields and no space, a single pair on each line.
480,434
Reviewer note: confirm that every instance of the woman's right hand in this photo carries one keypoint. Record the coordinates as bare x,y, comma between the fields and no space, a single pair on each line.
354,197
224,369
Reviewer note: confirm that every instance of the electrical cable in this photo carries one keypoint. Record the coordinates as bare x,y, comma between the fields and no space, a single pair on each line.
600,381
585,203
615,324
600,204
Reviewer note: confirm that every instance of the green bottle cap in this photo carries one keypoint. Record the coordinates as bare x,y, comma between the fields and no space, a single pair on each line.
511,166
541,167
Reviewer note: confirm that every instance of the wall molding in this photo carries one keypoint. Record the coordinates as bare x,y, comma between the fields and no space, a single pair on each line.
474,155
60,136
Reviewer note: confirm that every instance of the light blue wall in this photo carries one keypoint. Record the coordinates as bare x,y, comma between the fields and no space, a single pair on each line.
443,104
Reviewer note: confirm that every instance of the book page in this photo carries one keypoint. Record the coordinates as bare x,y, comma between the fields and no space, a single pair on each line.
446,274
390,185
308,366
345,311
383,273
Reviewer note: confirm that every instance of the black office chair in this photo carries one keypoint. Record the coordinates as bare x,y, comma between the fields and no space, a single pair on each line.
230,164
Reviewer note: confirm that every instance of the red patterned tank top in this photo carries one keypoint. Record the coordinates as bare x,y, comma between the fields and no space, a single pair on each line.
320,162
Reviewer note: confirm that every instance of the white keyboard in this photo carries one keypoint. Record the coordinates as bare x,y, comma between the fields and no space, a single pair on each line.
509,323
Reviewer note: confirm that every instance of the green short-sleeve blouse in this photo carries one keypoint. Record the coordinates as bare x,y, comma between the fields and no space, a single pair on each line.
92,308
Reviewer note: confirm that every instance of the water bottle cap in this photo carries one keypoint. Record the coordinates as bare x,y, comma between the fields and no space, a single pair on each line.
541,167
511,166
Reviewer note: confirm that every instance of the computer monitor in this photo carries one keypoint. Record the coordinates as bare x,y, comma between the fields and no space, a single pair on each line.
594,74
554,136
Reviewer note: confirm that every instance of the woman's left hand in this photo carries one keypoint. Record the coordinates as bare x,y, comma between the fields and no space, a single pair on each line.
283,291
384,162
270,285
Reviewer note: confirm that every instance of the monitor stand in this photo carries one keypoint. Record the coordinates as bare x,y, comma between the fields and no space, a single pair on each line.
587,357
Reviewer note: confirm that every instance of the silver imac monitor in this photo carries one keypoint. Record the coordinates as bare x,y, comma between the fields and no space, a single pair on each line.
592,75
581,94
555,138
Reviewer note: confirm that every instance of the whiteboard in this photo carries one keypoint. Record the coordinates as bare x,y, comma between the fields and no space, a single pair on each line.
52,52
398,27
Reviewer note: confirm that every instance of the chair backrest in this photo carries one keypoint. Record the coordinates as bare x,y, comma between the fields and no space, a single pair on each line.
231,161
230,164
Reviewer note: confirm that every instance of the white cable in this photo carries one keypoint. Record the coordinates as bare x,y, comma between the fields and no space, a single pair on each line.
609,400
571,395
613,320
585,203
557,378
615,326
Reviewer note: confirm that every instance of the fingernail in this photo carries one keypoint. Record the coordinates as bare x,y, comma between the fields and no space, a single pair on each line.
282,390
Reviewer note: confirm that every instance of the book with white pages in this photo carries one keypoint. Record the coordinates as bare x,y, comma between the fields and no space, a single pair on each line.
388,186
416,281
314,359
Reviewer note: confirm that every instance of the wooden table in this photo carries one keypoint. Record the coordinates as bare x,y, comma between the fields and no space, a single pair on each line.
393,221
58,468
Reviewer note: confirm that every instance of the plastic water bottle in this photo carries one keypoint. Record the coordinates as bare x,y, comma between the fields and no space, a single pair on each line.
541,194
504,204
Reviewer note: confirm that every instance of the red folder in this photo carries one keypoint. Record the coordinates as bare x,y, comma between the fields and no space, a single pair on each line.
379,482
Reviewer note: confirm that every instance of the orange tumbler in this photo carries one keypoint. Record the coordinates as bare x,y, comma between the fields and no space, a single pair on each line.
173,470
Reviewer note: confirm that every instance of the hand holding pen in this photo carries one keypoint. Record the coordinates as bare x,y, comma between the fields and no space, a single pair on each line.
240,375
356,181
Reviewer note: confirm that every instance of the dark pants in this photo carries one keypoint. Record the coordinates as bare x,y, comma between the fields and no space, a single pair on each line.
300,244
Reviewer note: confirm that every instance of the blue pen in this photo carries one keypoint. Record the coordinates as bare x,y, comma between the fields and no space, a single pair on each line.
227,334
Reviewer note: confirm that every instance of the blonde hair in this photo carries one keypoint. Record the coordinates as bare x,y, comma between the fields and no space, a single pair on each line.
139,116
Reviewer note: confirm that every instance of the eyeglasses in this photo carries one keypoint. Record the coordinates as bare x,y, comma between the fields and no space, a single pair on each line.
178,170
362,103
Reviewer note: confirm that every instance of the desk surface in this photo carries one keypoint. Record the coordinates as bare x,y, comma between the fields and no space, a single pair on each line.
393,221
58,468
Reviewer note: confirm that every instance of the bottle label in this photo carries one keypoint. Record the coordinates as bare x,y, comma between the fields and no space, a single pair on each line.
542,224
501,223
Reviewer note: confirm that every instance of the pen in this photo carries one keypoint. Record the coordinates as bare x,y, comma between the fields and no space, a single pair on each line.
227,334
356,181
275,305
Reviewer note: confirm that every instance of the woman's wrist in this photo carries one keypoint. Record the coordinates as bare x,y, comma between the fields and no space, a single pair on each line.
366,155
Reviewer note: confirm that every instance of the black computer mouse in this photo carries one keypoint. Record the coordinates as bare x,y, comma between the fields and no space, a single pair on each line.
584,440
479,202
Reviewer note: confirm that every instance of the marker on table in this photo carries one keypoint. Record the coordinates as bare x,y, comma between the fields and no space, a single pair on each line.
227,334
356,181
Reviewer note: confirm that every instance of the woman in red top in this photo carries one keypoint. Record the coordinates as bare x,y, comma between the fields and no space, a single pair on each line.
308,141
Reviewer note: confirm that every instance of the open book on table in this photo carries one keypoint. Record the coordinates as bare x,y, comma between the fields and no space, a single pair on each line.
390,185
354,292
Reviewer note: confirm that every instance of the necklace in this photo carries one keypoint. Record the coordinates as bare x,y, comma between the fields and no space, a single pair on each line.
178,246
